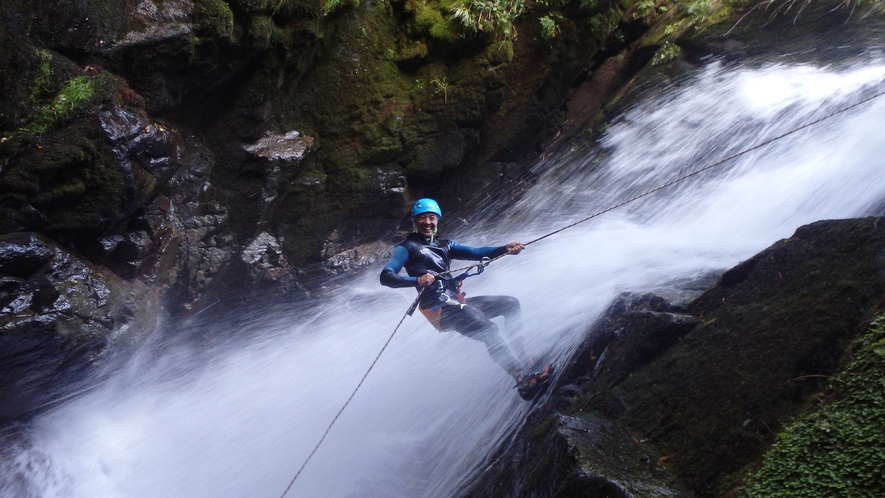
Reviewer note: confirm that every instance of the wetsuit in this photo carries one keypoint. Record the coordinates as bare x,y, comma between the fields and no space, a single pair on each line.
443,303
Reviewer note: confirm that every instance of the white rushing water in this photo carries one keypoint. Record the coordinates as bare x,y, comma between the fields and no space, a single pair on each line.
240,421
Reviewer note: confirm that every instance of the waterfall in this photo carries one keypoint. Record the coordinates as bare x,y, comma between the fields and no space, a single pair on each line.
239,420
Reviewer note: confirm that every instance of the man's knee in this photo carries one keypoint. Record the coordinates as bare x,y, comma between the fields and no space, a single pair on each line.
510,303
506,306
467,321
496,305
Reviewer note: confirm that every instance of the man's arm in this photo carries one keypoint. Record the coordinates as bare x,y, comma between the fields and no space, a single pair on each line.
476,253
390,276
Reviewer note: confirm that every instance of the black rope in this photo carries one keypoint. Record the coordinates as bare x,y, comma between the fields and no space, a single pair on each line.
483,264
693,173
357,388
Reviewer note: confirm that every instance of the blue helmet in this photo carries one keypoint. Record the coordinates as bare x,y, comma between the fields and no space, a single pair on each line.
426,206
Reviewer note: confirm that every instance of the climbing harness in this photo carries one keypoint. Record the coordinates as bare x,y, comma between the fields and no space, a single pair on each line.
481,265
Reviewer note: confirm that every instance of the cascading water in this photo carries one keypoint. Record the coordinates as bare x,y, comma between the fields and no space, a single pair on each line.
240,420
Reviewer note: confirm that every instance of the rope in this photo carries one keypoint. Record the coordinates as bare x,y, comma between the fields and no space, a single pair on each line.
357,388
691,174
486,262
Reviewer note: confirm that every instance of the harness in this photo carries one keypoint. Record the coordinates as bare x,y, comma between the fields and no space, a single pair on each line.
433,314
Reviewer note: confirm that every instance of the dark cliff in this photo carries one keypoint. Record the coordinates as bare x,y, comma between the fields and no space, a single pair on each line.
683,400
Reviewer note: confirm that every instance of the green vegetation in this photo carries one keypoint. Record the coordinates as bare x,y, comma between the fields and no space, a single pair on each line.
441,85
698,7
491,16
331,5
75,92
549,27
44,71
838,450
433,18
643,9
453,19
666,53
215,18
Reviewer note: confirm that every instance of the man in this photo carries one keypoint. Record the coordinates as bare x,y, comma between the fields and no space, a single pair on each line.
427,260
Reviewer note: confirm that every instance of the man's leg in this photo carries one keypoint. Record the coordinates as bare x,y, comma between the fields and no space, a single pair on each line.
508,307
471,322
529,383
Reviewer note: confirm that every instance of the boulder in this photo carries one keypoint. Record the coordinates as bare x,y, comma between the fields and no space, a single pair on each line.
61,321
705,388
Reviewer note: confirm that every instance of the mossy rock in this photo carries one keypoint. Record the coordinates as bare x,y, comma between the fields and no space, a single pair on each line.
771,326
837,449
705,397
214,18
88,166
71,182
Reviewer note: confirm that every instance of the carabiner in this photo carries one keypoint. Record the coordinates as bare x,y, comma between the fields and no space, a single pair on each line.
481,266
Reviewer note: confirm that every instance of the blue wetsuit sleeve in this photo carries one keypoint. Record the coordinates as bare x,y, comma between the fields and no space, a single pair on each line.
475,253
390,276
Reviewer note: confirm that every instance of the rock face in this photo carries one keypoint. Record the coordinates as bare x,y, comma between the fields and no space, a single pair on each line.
212,149
690,395
60,321
308,110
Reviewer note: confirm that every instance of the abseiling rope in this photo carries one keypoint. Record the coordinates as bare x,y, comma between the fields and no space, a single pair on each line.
693,173
357,388
572,225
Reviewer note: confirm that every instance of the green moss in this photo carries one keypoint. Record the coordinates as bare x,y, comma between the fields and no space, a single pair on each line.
330,6
75,93
57,195
41,80
261,30
837,450
214,17
500,52
491,16
431,18
604,23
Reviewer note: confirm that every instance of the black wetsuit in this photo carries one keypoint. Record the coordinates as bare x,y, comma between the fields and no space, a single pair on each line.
444,305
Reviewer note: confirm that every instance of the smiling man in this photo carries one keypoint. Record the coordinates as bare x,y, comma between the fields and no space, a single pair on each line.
427,261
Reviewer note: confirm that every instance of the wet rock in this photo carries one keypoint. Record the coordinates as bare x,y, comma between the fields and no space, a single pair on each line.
88,170
259,275
141,143
613,463
774,327
577,455
67,183
190,239
157,22
291,147
681,291
634,328
707,385
441,153
266,261
61,320
634,331
363,255
277,154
